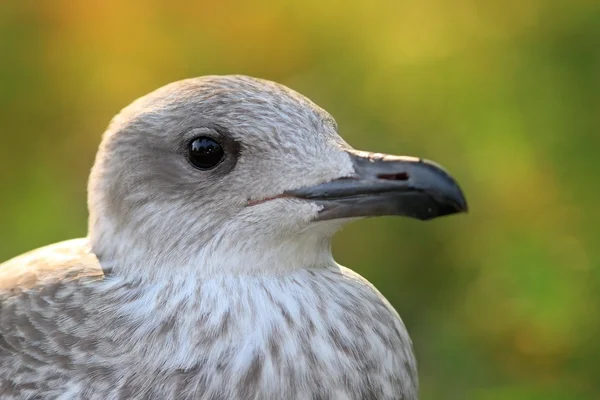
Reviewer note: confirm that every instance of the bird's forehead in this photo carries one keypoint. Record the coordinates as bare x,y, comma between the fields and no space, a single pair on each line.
231,101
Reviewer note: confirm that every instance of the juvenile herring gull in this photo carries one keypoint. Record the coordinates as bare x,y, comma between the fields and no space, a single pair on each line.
207,271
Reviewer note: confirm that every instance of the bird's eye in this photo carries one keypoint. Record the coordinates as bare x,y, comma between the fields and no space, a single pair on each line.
205,153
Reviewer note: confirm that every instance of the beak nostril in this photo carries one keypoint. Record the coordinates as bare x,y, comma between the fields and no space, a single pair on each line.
400,176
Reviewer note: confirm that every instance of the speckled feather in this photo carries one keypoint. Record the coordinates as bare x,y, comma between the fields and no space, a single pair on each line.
182,291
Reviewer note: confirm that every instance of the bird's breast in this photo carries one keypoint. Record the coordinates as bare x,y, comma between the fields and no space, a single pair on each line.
326,331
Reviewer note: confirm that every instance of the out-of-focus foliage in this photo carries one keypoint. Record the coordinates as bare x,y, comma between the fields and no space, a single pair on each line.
501,303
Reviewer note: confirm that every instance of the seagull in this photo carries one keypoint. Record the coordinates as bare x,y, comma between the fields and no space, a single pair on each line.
207,270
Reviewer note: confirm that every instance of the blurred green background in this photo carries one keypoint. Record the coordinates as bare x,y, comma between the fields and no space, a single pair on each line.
501,303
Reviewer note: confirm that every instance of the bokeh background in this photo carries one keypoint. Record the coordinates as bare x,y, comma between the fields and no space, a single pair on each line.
501,303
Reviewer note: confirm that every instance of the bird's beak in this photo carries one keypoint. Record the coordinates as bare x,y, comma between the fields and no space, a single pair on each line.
387,185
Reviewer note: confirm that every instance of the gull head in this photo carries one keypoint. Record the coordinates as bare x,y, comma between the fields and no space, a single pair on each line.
234,175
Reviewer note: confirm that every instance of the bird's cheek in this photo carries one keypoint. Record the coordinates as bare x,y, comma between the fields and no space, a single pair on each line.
281,213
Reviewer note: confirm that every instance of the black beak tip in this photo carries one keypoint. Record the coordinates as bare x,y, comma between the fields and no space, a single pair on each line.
459,205
431,208
463,206
459,200
449,197
456,204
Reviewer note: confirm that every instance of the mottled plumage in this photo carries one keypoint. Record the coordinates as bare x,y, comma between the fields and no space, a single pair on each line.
211,284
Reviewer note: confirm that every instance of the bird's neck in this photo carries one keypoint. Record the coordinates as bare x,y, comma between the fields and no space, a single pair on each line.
225,253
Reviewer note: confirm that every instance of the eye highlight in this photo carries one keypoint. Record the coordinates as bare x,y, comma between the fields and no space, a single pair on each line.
205,153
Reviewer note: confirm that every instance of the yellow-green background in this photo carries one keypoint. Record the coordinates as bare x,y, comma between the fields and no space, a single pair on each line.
501,303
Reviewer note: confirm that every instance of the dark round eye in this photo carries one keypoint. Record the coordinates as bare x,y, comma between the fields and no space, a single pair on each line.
205,153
